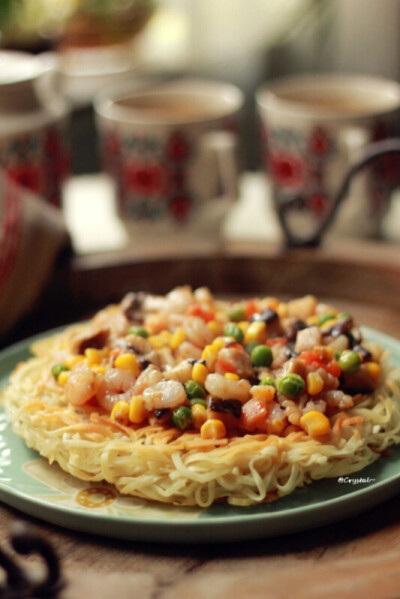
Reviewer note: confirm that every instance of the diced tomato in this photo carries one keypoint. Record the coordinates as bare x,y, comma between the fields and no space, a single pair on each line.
222,366
276,341
254,414
310,356
234,345
197,310
333,368
250,308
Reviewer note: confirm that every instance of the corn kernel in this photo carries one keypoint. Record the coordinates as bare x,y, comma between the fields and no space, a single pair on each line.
213,429
92,356
277,426
328,323
267,392
159,341
219,343
98,368
210,355
215,327
257,331
374,370
128,362
315,383
177,338
199,373
71,361
243,325
137,410
231,376
199,415
155,323
282,310
120,412
63,377
312,320
315,423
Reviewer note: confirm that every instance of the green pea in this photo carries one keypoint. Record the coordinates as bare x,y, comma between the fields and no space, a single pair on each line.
322,318
139,331
261,355
182,417
250,345
292,385
57,369
349,361
236,313
197,400
194,389
232,330
268,380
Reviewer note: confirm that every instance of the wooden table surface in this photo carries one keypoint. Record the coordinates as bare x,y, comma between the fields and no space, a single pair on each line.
357,558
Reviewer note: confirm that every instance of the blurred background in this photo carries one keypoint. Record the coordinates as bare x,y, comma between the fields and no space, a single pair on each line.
245,42
90,44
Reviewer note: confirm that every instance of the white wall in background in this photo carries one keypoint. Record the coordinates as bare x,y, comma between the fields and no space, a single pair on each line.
368,37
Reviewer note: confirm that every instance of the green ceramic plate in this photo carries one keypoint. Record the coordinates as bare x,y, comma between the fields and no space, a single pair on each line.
30,484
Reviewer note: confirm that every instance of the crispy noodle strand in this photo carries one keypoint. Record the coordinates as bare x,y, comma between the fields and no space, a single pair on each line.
174,467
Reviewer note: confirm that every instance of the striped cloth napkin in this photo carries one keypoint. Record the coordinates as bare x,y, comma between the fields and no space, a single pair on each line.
32,232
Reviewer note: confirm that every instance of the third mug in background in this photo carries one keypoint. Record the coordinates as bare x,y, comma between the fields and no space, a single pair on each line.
313,128
172,153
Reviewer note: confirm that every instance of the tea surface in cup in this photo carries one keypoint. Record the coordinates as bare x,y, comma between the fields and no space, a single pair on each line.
173,108
338,102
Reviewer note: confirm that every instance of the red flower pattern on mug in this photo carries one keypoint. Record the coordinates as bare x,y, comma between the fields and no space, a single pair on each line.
178,148
317,203
287,170
319,143
27,175
145,178
180,207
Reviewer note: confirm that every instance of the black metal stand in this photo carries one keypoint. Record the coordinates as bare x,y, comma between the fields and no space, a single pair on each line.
22,582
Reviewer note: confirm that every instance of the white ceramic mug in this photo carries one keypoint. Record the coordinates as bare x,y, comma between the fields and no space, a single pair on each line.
34,149
313,128
172,152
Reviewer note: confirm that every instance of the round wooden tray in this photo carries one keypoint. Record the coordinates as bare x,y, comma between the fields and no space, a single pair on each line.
359,274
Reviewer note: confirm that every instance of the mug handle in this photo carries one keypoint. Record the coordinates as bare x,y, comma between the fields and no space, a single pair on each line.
368,155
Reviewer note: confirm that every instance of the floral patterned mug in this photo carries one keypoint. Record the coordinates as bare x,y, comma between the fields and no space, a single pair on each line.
172,153
34,150
314,128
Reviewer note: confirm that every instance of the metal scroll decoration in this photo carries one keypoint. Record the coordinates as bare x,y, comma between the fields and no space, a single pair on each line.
21,582
370,155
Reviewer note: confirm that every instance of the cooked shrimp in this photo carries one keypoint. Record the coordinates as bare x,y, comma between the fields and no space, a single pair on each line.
149,377
188,350
139,344
337,399
203,296
302,307
218,385
197,332
179,299
167,360
182,372
240,361
165,394
116,385
307,339
81,385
